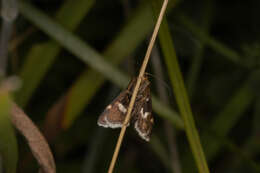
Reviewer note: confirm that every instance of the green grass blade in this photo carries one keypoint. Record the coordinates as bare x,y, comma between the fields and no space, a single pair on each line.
233,110
8,144
81,92
45,54
71,42
89,56
79,97
251,146
181,94
91,158
221,125
160,151
197,59
209,41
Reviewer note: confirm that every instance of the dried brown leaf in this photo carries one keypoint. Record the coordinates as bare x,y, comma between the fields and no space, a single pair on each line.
35,139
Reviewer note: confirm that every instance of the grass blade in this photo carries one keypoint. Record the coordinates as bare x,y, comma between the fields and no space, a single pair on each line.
89,56
234,109
214,44
81,92
243,97
181,94
45,54
8,144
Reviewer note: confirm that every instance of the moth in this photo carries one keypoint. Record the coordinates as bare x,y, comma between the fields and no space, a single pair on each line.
141,116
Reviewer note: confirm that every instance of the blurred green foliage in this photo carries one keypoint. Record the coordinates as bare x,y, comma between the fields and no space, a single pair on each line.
76,50
8,143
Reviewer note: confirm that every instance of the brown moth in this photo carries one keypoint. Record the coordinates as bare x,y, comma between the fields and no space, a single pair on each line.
115,113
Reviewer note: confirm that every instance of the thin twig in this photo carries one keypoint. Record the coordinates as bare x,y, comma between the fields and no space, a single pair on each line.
139,79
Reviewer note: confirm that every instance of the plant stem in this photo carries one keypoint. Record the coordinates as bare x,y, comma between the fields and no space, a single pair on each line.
139,79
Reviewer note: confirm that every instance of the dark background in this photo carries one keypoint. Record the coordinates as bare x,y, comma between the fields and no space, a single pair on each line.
218,48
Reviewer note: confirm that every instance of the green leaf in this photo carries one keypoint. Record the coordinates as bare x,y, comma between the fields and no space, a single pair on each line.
89,56
180,93
8,144
44,54
81,92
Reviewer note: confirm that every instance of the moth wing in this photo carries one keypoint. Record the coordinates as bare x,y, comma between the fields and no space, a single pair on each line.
115,113
143,116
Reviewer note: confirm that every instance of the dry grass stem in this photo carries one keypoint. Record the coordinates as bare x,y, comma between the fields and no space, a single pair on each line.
139,79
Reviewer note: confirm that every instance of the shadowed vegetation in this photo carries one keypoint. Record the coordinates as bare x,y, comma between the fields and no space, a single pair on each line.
74,58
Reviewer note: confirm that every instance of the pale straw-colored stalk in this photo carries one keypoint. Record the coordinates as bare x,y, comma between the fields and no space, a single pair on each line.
139,79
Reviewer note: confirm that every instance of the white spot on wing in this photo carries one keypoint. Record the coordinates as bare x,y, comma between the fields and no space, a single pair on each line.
109,106
141,134
112,124
144,115
121,108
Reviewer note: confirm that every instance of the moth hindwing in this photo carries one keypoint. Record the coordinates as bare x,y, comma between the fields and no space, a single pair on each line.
143,119
115,113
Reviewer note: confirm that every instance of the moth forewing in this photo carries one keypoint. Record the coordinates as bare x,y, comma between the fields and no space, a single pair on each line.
144,119
115,113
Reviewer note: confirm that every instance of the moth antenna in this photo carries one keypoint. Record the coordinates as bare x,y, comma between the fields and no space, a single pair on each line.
162,82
